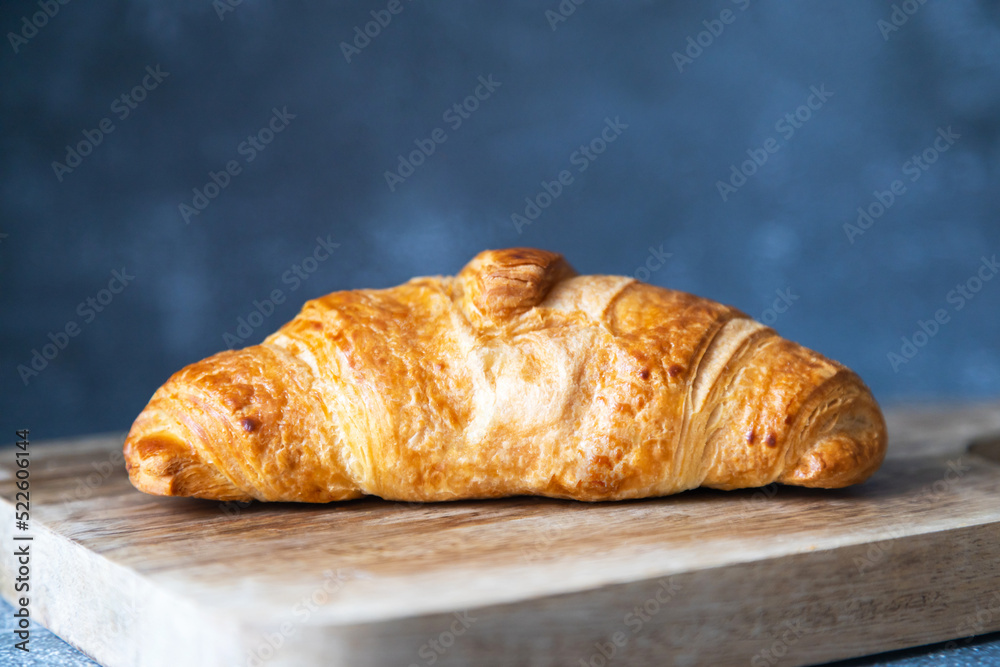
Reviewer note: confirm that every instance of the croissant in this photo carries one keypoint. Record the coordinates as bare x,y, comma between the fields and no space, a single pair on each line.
515,377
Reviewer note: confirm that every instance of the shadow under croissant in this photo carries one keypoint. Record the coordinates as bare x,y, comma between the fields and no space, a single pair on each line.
897,479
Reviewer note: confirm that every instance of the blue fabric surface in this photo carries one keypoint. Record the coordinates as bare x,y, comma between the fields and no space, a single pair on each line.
44,648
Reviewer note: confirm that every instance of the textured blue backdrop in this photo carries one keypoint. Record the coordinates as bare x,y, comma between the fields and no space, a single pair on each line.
739,138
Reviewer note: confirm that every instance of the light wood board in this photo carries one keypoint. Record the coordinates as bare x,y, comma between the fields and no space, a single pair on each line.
776,576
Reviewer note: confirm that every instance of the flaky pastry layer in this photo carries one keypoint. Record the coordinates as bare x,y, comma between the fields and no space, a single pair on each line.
514,377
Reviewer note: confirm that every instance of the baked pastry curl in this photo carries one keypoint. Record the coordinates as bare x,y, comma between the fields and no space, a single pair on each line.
515,377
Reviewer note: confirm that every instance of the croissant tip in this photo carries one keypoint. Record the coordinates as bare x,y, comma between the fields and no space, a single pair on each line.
843,458
162,464
152,462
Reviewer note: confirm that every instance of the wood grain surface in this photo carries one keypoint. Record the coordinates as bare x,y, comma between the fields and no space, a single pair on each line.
772,576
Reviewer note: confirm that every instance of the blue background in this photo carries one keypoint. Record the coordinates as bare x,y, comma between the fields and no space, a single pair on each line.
655,185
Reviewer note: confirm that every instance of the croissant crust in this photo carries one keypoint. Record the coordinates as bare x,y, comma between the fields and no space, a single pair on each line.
516,376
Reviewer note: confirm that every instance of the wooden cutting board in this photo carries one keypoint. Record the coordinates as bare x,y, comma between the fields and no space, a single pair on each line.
775,576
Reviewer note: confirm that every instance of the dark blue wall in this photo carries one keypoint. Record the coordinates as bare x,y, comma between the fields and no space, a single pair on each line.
683,125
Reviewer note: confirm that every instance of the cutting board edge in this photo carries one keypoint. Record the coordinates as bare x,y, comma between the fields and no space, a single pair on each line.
86,580
918,625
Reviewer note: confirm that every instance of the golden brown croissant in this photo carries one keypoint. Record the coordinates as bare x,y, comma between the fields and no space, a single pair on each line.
514,377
